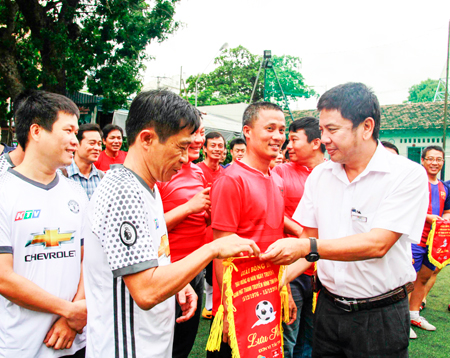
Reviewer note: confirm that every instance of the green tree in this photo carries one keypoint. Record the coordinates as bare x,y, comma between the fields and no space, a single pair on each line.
62,45
233,79
423,92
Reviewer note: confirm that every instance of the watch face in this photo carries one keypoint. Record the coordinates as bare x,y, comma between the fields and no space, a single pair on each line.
312,257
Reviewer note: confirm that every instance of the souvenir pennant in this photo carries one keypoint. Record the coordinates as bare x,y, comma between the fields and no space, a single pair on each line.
439,243
256,307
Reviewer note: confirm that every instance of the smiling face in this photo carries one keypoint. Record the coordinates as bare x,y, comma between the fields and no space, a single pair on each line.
61,143
266,135
166,159
90,147
299,148
214,148
433,162
197,143
113,142
340,138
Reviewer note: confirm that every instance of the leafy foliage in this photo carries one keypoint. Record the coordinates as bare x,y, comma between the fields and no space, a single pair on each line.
423,92
63,45
233,79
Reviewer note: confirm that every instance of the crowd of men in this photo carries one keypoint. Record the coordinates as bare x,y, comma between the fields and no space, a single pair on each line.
108,253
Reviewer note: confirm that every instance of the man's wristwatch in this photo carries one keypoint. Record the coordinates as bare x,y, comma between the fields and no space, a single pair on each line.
313,256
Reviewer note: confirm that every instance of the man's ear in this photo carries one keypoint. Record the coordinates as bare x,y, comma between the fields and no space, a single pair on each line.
246,131
316,143
35,132
368,127
146,137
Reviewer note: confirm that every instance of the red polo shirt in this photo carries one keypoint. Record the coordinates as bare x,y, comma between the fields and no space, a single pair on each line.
210,175
250,204
189,234
104,161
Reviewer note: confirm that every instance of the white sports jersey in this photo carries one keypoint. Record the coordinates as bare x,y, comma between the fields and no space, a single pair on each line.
41,226
5,163
126,234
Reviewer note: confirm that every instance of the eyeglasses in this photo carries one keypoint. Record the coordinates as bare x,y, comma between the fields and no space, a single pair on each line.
431,160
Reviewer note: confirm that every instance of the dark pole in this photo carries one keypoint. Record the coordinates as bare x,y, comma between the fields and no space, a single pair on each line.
444,139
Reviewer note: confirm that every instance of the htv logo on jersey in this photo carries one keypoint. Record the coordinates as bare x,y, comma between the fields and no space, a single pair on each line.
29,214
51,238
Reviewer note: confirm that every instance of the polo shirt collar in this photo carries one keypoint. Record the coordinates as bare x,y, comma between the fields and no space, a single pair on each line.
73,169
378,163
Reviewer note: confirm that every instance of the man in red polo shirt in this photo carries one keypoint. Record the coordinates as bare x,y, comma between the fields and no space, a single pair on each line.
112,139
248,198
186,200
305,153
213,149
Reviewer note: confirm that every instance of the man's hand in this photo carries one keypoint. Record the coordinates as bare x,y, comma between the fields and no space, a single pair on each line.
187,299
292,309
431,217
60,336
233,245
286,251
76,319
200,202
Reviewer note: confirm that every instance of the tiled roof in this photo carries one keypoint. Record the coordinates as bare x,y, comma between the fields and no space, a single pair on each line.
401,116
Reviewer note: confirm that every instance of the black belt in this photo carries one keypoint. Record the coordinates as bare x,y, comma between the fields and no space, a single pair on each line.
358,304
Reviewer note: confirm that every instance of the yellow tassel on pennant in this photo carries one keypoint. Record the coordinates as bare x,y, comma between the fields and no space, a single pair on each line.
215,336
315,294
285,304
230,308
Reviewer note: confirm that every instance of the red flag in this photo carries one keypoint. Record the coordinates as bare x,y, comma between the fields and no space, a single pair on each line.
439,243
254,307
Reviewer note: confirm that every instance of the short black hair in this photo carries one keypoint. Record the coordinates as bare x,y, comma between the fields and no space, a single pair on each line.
212,135
355,102
162,110
387,144
41,108
311,127
432,147
111,127
251,113
88,127
237,140
285,144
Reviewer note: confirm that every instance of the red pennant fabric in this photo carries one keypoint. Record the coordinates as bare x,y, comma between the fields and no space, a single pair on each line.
439,243
257,309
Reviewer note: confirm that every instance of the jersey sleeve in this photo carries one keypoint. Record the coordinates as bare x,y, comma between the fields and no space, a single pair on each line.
447,198
120,222
5,233
226,204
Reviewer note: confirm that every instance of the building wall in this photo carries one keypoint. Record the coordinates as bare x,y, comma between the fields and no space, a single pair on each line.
410,143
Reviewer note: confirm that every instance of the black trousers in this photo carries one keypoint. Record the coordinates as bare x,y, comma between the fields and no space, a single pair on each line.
79,354
185,332
379,332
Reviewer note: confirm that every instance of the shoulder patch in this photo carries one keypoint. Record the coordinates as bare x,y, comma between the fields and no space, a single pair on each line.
128,233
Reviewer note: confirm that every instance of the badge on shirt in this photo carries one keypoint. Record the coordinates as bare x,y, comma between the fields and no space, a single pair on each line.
356,216
156,224
128,233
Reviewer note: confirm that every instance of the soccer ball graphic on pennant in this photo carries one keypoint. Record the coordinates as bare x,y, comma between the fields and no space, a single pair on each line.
265,313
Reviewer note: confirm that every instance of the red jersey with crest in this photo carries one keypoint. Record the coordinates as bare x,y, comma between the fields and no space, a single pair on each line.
188,235
250,204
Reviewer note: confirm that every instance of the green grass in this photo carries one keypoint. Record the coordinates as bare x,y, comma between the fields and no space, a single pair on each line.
428,344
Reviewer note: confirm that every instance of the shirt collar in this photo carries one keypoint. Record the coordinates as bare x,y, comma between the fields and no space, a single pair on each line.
73,169
380,162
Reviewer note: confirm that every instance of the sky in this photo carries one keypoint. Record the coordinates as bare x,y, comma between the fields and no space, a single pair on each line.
388,45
